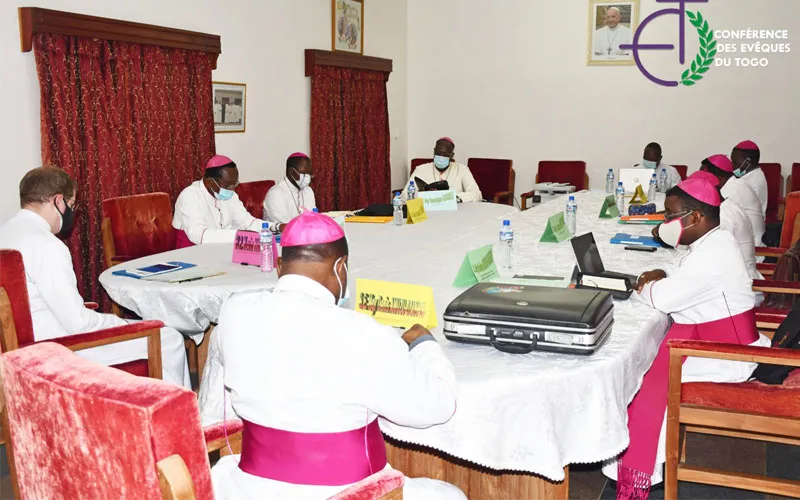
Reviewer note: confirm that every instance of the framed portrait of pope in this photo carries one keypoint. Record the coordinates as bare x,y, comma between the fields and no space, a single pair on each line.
612,24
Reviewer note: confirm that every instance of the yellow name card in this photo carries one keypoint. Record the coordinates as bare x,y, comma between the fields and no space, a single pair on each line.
396,304
416,211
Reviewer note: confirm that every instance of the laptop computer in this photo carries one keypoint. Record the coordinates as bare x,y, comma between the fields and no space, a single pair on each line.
632,177
589,261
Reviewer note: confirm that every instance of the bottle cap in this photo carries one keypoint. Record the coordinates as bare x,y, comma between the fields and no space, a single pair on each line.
265,225
620,183
315,210
571,198
610,169
397,193
506,222
411,183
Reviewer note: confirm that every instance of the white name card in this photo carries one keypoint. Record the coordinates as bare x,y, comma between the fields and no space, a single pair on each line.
439,201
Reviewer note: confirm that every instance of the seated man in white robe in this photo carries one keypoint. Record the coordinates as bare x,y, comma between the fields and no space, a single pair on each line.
737,191
709,297
444,168
745,158
209,211
310,379
293,195
47,197
652,161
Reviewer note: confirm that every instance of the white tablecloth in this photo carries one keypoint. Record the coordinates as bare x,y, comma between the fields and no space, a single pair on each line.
536,412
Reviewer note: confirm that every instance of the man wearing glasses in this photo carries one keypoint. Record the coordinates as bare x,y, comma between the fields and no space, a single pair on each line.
293,195
209,211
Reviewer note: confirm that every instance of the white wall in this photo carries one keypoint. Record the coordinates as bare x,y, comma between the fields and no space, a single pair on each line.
262,45
509,79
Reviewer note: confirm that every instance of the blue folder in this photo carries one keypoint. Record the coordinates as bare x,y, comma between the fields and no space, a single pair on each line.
632,240
183,265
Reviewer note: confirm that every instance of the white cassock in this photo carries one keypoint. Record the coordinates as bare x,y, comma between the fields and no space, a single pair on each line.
284,201
606,41
743,195
733,219
295,361
710,283
458,177
673,176
58,310
758,183
205,219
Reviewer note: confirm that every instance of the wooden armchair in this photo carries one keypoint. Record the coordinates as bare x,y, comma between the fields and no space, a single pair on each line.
790,233
495,177
252,195
749,410
570,172
683,171
775,200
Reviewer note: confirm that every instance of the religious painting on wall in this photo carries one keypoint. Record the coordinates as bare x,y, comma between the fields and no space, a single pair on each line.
230,104
348,26
612,24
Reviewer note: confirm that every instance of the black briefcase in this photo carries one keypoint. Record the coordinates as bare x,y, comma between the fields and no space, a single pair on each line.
520,319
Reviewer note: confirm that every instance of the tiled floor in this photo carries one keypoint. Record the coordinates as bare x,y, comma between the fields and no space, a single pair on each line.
588,483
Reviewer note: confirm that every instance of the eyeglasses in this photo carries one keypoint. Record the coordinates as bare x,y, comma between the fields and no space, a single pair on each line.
233,188
679,215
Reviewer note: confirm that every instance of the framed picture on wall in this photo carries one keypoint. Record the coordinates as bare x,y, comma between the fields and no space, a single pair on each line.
230,106
611,23
348,26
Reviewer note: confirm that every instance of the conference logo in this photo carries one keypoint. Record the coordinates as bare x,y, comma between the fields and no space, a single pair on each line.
707,47
755,45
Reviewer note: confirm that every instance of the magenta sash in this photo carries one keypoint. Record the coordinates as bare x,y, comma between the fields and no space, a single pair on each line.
334,459
181,240
646,411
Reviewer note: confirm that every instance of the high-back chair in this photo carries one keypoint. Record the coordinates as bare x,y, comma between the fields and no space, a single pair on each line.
570,172
136,226
772,172
683,171
83,430
747,410
790,232
252,196
416,162
495,177
793,181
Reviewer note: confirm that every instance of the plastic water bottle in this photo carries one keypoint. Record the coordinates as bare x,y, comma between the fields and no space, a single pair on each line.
571,215
651,191
610,181
507,243
620,195
315,210
412,190
662,181
397,205
266,248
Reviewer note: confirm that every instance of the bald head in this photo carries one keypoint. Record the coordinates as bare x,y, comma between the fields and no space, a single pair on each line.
613,17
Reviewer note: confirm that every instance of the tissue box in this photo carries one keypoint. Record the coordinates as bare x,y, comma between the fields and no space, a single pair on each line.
648,209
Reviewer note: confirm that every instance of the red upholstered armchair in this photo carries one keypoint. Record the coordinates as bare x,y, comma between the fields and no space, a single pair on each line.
495,177
749,410
136,226
570,172
416,162
252,195
83,430
384,485
772,171
793,181
790,232
683,170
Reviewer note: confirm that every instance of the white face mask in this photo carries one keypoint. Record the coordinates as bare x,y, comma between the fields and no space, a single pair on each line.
671,232
344,291
304,181
649,164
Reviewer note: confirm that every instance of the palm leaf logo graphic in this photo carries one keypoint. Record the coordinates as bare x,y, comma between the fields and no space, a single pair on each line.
708,50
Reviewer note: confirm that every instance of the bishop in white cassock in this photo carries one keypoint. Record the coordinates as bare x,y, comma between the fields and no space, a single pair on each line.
443,168
310,379
293,195
746,157
709,297
47,196
607,40
209,211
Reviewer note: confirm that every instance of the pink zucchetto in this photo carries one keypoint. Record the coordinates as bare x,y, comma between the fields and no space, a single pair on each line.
218,161
701,190
299,155
705,176
722,162
311,228
747,145
447,139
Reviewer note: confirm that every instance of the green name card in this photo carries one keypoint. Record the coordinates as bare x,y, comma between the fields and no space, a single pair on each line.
556,230
609,209
439,201
478,266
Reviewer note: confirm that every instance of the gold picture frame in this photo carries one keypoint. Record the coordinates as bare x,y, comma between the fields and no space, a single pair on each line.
230,107
603,46
347,26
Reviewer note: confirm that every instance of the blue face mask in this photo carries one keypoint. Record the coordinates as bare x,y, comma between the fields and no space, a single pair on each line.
344,291
739,172
223,194
649,164
441,162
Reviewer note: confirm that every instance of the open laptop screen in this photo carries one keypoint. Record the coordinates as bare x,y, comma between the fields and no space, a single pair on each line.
586,253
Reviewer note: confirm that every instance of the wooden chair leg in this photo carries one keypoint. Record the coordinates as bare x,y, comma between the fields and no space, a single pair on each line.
673,428
175,480
202,352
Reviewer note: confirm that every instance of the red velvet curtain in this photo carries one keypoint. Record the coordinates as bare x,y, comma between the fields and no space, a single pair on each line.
121,119
349,138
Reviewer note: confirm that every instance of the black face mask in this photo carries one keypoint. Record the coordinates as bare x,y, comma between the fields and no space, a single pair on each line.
67,220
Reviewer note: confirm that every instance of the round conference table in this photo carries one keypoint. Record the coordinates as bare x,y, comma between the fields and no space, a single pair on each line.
521,419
